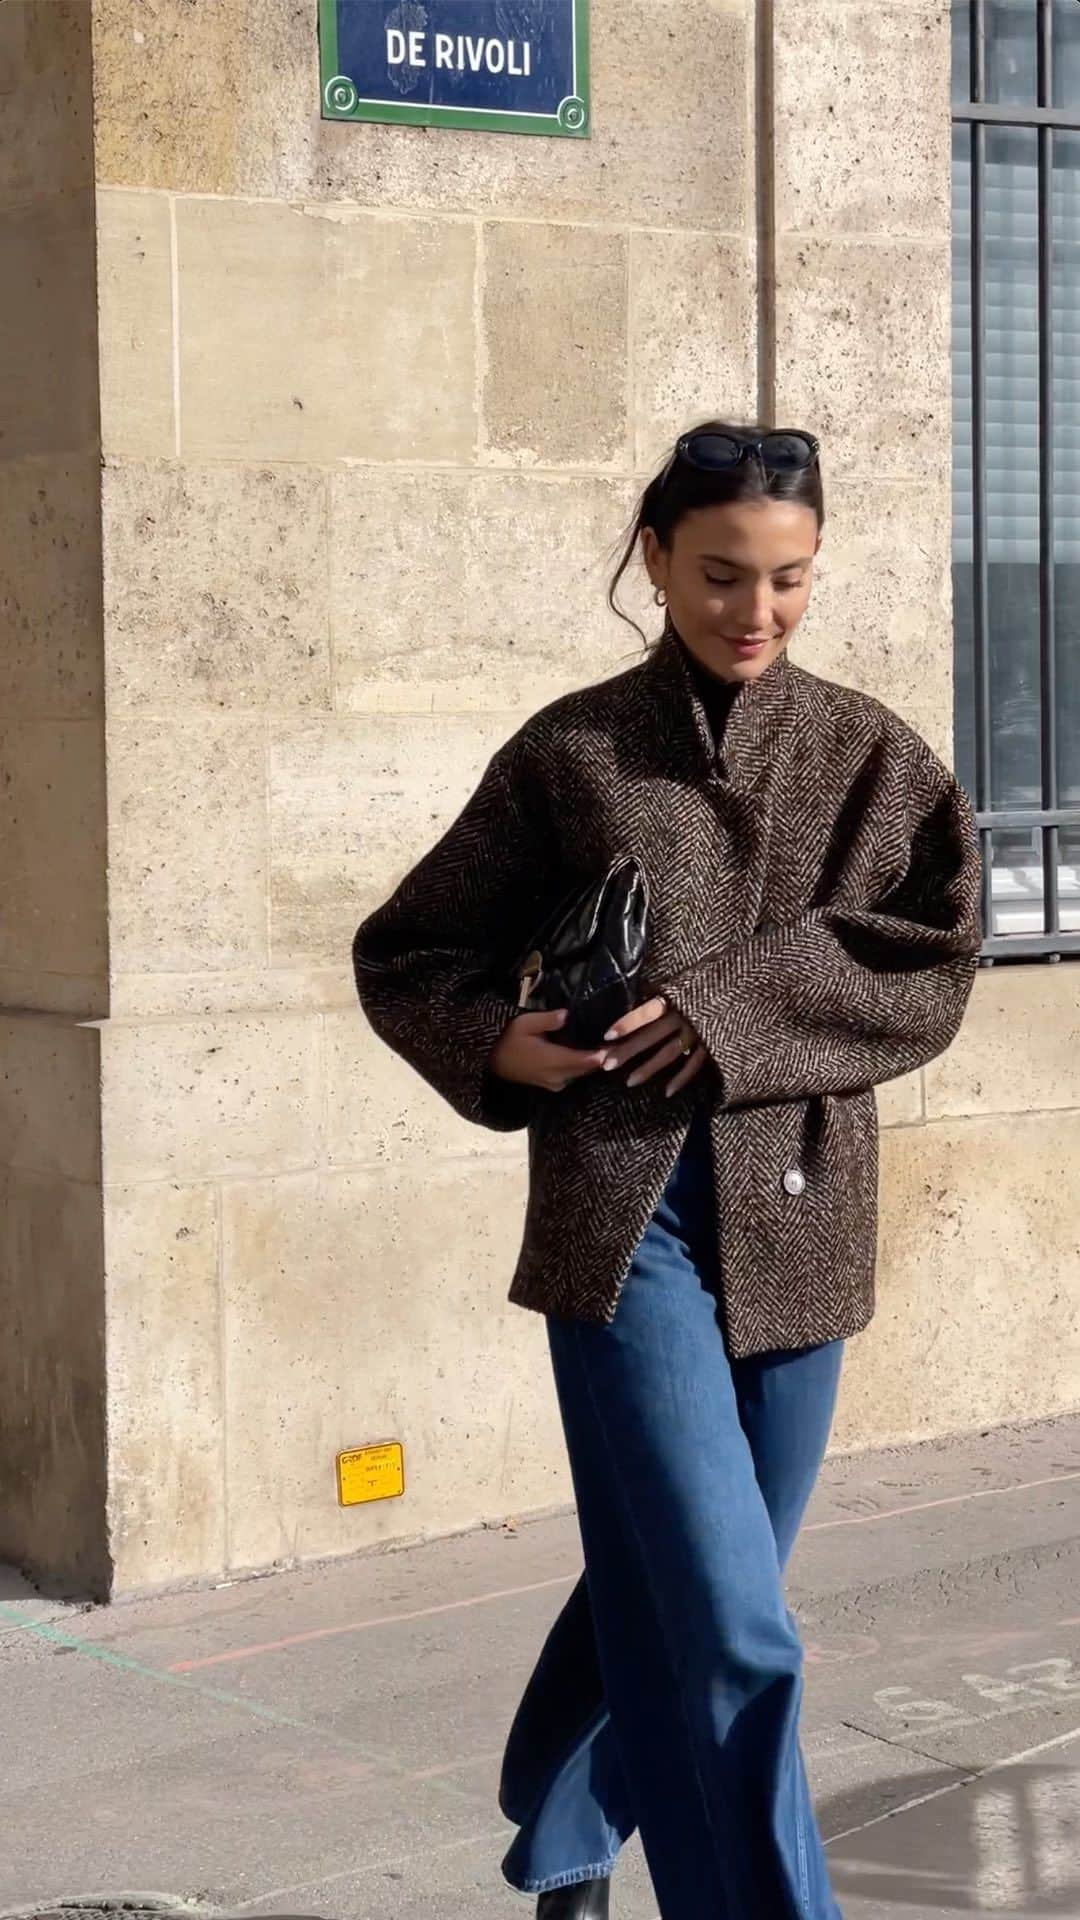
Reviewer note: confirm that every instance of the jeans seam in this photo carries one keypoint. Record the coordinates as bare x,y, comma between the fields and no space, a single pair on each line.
675,1668
804,1862
574,1877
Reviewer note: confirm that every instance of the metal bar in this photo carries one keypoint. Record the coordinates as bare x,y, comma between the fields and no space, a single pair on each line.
1047,543
977,36
1028,819
980,569
1045,34
986,844
978,113
1031,946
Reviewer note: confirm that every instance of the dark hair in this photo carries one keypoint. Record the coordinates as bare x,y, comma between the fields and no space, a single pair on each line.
679,489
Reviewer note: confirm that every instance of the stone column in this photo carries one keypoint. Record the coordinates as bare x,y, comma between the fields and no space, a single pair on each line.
53,926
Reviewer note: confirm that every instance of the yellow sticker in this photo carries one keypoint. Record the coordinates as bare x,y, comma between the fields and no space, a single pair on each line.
371,1473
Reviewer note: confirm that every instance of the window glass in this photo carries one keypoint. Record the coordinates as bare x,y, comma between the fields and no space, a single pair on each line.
1066,55
1012,57
1066,190
1013,453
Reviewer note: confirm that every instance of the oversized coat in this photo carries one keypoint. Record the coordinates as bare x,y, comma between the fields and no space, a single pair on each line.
814,915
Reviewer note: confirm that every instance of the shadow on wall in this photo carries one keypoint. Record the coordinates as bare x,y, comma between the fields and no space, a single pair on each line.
1008,1843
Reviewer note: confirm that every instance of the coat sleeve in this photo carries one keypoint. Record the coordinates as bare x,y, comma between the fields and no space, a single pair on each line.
433,966
871,983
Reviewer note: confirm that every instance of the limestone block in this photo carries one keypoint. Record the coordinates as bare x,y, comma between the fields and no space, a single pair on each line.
900,1102
978,1305
199,104
192,100
48,332
194,1100
692,334
52,1381
354,803
143,996
188,856
217,590
472,590
555,387
379,1112
880,618
862,117
166,1469
1019,1048
371,1306
863,353
46,100
51,654
135,324
52,847
49,1097
312,334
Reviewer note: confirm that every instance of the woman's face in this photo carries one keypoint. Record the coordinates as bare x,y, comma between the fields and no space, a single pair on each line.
737,580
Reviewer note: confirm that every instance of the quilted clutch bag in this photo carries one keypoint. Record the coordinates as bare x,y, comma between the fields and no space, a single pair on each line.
588,957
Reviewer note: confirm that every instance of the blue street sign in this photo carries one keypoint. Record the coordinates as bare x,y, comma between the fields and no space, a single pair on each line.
505,66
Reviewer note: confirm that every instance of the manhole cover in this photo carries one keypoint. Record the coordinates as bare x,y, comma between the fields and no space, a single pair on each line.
130,1906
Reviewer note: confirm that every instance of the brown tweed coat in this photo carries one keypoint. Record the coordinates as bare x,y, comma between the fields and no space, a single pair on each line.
815,916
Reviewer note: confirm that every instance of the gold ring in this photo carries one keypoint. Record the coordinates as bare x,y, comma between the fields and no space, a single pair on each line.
688,1047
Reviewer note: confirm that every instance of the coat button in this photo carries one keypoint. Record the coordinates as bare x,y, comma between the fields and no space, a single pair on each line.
795,1182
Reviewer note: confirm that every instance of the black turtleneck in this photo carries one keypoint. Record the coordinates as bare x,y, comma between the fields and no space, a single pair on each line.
717,696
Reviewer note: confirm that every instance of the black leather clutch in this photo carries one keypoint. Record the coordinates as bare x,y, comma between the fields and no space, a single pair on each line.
588,957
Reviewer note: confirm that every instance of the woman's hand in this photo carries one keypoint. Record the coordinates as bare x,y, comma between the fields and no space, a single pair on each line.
655,1026
528,1056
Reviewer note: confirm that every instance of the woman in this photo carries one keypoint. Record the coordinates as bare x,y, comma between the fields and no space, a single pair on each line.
702,1214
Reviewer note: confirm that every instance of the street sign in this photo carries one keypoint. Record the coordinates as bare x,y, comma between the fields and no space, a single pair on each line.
501,66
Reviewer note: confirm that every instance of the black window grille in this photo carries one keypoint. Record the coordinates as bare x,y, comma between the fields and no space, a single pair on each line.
1016,461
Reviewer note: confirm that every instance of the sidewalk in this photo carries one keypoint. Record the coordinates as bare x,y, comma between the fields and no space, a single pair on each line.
326,1742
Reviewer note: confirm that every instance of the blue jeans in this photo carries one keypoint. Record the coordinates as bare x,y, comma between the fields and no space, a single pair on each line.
668,1693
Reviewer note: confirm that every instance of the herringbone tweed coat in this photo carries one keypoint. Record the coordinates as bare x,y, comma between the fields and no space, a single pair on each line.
815,916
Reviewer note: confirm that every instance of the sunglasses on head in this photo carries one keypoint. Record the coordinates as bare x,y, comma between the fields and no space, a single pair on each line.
709,452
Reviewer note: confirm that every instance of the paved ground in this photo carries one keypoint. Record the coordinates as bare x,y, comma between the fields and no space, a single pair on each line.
325,1742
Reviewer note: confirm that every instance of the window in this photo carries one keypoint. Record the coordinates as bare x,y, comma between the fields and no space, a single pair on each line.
1016,460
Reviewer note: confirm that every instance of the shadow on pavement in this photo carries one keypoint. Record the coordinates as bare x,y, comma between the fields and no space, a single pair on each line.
1008,1843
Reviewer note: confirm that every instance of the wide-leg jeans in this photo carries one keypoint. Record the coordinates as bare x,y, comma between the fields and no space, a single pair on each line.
667,1696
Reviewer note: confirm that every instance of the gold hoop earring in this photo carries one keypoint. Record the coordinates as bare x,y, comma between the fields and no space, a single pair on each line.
660,597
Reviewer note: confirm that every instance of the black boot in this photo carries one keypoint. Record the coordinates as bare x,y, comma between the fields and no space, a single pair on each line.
587,1901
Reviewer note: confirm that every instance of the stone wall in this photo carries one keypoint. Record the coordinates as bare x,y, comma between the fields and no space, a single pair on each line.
375,403
53,928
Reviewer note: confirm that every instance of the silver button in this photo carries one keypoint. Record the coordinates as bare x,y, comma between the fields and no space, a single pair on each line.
795,1182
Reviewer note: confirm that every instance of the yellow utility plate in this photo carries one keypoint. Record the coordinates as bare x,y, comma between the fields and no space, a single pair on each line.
371,1473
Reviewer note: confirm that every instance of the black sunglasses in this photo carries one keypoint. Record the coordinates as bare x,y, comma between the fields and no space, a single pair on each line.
781,452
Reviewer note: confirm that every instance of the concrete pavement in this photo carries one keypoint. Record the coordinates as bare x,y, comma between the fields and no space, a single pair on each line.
325,1741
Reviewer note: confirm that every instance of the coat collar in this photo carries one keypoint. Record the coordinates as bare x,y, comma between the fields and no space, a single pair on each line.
760,715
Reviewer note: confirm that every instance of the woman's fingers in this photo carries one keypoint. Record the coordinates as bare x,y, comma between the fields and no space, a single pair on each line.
632,1022
643,1041
663,1057
541,1023
572,1064
528,1054
529,1051
690,1071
